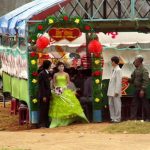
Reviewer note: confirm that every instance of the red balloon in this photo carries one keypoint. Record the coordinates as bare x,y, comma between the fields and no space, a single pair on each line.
95,47
42,42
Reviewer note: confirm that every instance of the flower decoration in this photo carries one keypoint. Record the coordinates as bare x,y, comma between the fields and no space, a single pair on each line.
34,100
58,90
50,21
87,28
97,62
95,47
97,100
97,55
40,27
77,21
97,81
34,81
33,54
65,18
42,42
97,73
35,74
33,62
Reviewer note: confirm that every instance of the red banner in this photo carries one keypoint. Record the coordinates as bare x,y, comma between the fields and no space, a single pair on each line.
64,33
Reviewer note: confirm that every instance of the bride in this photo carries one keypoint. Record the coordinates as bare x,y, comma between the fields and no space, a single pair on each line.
65,107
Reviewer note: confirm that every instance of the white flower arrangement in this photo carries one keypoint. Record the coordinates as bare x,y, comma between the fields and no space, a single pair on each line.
58,90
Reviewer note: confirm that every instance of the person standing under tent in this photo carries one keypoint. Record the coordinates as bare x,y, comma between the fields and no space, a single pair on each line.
140,80
65,107
114,91
44,94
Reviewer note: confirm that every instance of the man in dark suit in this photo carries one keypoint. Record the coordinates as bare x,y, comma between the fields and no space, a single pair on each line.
44,94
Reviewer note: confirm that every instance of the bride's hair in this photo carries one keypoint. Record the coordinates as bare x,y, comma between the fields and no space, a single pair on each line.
60,63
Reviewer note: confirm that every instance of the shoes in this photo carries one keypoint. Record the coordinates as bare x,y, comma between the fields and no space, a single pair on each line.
115,121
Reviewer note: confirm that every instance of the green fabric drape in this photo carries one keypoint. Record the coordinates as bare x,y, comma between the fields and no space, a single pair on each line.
23,92
15,87
18,88
6,82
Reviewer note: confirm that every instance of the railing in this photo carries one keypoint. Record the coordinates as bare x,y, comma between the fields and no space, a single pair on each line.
95,10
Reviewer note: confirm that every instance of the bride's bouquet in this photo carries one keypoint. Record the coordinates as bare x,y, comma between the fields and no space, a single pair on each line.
58,90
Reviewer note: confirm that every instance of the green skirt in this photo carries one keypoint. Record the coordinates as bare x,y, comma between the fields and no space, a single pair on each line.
65,109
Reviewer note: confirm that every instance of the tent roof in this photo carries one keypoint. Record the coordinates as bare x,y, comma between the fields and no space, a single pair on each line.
37,9
122,40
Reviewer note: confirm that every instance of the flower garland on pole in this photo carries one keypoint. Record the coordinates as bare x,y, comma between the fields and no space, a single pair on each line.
95,48
33,79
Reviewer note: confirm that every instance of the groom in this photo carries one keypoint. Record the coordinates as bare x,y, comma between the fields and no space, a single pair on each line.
44,94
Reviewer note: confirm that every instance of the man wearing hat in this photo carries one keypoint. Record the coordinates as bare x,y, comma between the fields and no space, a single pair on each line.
140,80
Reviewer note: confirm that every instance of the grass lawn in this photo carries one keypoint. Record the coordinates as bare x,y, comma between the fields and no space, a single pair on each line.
129,127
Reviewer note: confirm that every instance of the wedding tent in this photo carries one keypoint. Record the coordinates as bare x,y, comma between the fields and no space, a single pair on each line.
15,52
124,44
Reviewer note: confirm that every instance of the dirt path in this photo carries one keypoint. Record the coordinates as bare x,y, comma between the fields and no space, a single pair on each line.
75,137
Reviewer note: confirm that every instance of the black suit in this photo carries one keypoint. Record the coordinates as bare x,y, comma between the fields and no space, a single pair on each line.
44,91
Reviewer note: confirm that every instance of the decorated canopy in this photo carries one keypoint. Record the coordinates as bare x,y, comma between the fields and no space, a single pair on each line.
15,21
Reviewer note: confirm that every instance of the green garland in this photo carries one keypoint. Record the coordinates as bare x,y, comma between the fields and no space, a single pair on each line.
97,82
64,21
33,80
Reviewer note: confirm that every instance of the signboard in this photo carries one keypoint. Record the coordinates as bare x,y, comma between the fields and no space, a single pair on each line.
69,34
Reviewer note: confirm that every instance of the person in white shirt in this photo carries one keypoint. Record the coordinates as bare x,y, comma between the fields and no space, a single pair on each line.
114,91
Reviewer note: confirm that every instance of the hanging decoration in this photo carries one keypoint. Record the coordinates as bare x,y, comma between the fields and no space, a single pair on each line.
95,47
42,42
14,62
112,34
